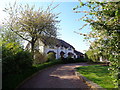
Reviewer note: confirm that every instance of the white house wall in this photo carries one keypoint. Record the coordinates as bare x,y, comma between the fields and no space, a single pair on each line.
45,49
57,50
41,49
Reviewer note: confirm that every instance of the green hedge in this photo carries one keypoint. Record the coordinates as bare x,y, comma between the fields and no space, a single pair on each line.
11,81
72,60
15,61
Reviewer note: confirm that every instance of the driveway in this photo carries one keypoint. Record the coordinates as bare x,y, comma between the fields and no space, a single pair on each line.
59,76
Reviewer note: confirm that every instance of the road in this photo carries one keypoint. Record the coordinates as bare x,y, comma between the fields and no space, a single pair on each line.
59,76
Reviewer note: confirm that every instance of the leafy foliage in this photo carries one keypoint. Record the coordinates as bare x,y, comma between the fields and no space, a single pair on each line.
15,59
10,81
51,56
104,19
31,24
8,36
72,60
39,57
92,54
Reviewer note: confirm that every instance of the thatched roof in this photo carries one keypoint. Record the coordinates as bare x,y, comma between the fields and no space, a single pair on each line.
55,42
63,44
78,53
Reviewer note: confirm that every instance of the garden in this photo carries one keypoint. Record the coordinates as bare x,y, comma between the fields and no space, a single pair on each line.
98,74
27,24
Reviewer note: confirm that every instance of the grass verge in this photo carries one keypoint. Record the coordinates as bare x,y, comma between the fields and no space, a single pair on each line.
12,80
98,74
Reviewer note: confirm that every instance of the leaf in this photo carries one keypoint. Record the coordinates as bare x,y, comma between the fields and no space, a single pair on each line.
82,4
74,8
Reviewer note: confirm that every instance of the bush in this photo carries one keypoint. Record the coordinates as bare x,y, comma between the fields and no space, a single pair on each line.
81,60
51,56
11,81
72,60
23,60
67,60
91,56
39,57
15,59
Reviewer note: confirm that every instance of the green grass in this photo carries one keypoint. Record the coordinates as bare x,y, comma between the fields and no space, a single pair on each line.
98,74
13,80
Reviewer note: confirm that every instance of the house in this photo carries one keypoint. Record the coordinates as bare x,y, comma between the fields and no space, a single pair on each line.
60,49
79,54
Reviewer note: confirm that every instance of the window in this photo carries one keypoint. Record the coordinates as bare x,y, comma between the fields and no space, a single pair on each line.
61,48
69,48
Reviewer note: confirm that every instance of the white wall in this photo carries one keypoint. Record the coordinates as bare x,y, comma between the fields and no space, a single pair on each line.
57,50
40,47
45,49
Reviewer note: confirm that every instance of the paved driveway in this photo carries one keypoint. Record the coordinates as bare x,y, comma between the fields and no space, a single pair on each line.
59,76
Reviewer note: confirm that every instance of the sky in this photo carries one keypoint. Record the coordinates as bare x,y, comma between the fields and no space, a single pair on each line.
68,20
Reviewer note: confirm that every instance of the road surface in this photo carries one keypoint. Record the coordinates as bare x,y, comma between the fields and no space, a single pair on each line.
59,76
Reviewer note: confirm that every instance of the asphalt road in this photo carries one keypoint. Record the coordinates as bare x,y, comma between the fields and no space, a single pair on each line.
60,76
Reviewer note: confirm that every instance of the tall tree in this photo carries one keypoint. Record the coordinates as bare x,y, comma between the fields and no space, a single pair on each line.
104,19
8,36
32,24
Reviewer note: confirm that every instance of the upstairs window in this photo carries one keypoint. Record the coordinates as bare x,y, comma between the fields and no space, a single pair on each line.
69,48
61,48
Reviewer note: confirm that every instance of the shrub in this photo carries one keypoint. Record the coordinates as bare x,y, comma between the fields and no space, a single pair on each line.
92,55
51,56
67,60
39,57
81,60
23,60
15,59
72,60
8,65
10,81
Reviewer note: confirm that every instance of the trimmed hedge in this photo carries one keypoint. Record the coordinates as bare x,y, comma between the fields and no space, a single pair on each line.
72,60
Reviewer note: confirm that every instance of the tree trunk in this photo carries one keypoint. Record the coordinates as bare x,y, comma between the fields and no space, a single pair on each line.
32,50
32,47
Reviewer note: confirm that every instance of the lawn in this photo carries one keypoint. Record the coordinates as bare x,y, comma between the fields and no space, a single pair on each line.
98,74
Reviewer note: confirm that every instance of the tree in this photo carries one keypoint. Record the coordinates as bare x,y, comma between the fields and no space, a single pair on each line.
104,19
8,36
14,58
31,24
